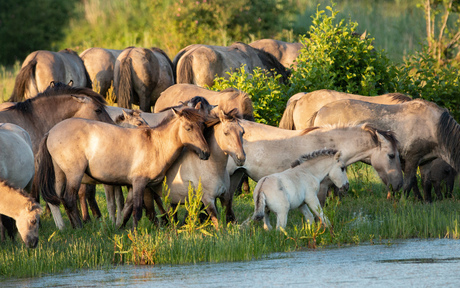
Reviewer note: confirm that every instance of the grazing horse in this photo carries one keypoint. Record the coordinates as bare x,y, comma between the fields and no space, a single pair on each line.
433,175
71,154
226,99
140,76
298,187
17,204
16,166
224,137
200,64
302,106
424,130
100,64
42,67
271,150
285,52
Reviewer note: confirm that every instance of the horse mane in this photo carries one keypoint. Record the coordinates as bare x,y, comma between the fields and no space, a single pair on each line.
308,130
448,133
32,203
214,118
313,155
389,135
401,98
59,89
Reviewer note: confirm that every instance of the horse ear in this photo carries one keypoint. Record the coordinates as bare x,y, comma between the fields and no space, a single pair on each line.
125,114
52,84
70,83
363,36
198,106
175,111
337,155
81,99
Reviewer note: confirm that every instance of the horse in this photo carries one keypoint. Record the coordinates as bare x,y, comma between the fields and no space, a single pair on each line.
42,67
100,64
71,154
285,52
298,187
17,204
271,150
226,99
301,106
424,130
224,137
16,166
140,76
433,175
200,64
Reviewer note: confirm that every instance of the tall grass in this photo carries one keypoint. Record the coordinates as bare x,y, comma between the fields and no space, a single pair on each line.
363,216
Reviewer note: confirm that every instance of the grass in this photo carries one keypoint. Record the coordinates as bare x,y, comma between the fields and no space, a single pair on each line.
363,216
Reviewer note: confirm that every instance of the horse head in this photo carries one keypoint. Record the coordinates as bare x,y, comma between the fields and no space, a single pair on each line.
28,222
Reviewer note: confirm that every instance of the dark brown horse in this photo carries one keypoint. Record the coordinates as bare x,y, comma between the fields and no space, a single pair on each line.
42,67
424,130
200,64
140,76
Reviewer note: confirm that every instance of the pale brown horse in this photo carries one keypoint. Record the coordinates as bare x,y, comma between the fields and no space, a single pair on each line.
200,64
42,67
271,150
285,52
425,131
79,150
100,64
302,106
16,166
140,76
17,204
224,137
226,100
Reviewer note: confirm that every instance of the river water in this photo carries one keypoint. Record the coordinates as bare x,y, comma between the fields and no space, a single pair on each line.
410,263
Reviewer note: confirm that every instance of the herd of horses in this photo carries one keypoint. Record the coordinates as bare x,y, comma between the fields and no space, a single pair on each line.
60,140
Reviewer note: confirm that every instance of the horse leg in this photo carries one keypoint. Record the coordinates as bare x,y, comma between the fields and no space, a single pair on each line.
437,190
91,198
150,206
120,202
159,202
110,198
313,202
211,210
427,189
60,180
128,207
226,199
410,179
138,199
309,218
70,201
83,206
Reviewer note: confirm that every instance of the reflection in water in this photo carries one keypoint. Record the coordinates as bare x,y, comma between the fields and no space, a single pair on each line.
407,263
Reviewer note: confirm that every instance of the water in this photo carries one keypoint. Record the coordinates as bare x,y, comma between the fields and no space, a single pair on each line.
411,263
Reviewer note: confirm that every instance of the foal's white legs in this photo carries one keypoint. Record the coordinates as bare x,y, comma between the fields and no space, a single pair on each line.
309,218
57,216
313,202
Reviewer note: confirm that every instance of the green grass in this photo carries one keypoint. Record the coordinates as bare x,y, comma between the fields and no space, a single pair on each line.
363,216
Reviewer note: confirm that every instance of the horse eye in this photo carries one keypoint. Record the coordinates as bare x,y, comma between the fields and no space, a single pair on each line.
188,128
99,110
33,222
226,133
391,156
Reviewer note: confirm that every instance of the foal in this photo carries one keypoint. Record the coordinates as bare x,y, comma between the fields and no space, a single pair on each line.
298,187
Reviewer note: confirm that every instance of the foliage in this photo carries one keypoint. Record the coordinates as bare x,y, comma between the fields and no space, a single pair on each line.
30,25
267,93
422,77
335,57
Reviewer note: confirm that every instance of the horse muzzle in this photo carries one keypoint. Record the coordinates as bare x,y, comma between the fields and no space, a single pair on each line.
32,242
204,155
239,159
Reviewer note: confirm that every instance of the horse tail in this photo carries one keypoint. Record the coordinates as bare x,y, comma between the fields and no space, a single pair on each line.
176,61
287,120
45,178
259,201
185,70
20,85
449,138
125,88
311,121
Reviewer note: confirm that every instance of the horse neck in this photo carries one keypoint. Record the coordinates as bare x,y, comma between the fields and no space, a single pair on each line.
13,202
165,139
318,167
260,132
217,153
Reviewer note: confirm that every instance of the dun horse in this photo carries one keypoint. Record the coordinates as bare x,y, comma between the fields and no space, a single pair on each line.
200,64
271,150
285,52
226,100
100,64
140,76
42,67
78,149
298,187
302,106
224,137
15,203
424,130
